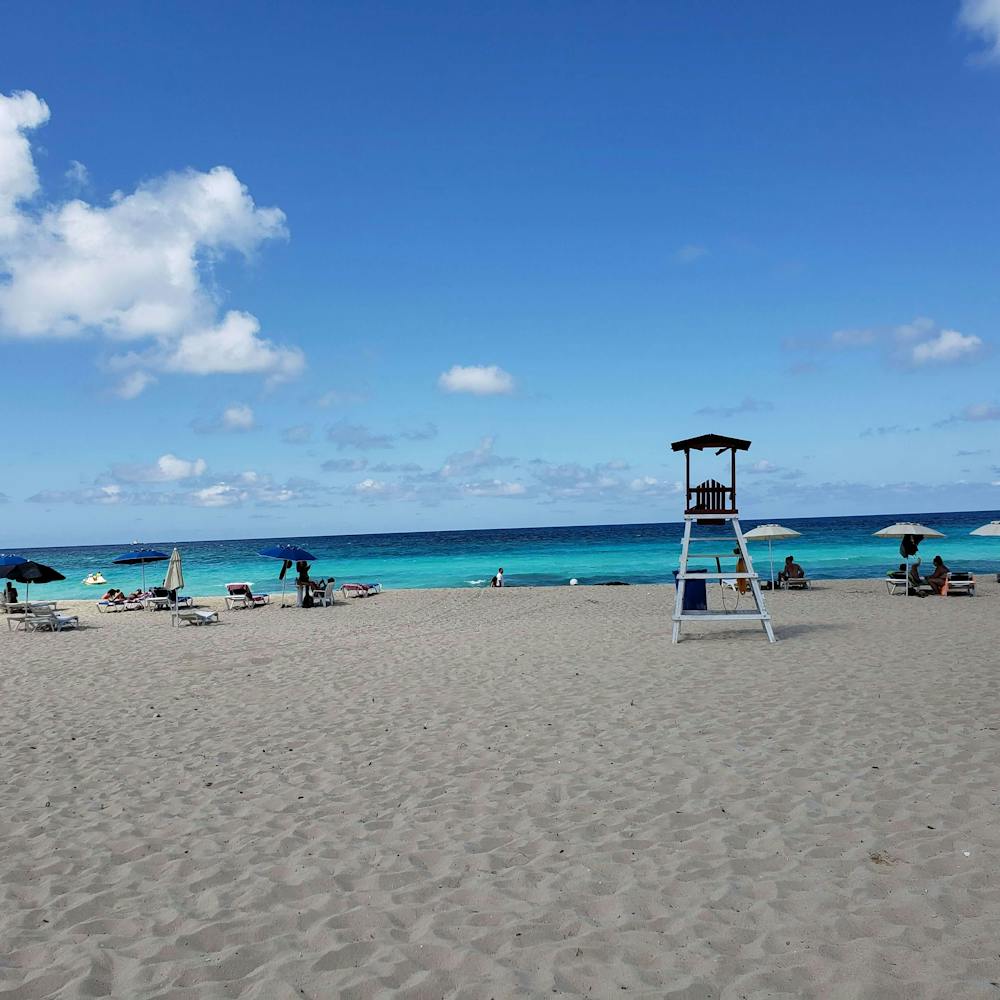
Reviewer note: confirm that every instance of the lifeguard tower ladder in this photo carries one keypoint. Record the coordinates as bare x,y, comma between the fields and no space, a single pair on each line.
712,503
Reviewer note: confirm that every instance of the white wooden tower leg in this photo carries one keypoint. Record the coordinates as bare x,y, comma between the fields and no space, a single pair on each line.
758,596
681,580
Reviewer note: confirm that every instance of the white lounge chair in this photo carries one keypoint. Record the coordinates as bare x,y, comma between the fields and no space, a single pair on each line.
961,583
240,596
797,583
50,621
194,616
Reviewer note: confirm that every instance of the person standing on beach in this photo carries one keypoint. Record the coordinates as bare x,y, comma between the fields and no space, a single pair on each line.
497,581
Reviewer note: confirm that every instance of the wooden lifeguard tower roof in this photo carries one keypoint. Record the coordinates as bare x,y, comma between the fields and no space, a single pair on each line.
711,441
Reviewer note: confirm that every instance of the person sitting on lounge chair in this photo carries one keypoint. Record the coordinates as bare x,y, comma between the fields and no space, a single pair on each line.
791,571
939,577
916,580
10,593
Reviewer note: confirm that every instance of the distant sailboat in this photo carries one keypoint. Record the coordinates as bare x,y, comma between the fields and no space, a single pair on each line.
94,579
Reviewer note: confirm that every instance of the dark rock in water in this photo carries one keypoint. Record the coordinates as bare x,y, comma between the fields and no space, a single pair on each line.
614,583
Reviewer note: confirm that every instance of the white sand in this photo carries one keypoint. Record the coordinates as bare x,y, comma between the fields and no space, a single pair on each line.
512,793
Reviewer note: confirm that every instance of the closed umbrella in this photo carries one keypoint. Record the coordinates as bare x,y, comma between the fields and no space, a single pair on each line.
287,554
28,572
174,580
770,533
915,532
139,558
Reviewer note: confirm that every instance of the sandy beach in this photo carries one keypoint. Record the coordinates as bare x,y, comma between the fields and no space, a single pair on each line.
514,793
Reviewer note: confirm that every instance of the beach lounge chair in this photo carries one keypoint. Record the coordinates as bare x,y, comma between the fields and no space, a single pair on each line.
194,616
895,583
797,583
960,583
360,589
240,597
108,606
43,621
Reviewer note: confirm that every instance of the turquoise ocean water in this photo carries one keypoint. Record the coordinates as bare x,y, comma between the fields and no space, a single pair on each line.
834,547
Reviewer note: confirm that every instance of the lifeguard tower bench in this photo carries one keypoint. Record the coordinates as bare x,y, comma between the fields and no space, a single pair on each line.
713,503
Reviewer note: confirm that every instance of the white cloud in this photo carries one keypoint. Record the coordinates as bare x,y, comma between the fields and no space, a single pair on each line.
134,269
689,253
232,347
238,417
494,488
482,457
919,343
982,17
134,384
78,175
370,486
19,113
166,469
479,380
947,346
218,495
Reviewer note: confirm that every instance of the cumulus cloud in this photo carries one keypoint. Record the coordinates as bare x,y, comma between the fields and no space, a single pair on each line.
166,469
946,346
344,435
921,343
238,417
982,17
132,270
479,380
689,253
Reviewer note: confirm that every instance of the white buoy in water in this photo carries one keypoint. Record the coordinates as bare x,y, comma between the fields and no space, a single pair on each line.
572,582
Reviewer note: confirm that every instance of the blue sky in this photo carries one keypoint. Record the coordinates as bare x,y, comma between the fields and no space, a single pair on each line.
323,268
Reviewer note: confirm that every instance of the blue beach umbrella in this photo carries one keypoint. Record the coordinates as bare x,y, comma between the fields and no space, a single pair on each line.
139,558
286,553
9,559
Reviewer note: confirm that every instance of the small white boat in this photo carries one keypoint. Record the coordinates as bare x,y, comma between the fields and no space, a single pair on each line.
94,579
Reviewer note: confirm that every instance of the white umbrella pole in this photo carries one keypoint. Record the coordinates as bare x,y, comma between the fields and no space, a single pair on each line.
770,552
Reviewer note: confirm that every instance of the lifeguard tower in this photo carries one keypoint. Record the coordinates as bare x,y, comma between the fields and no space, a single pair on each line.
713,503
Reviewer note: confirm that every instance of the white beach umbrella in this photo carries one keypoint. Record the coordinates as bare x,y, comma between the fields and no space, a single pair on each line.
770,533
903,528
174,580
991,530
